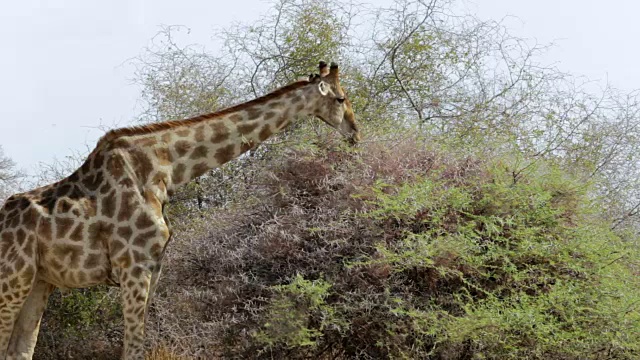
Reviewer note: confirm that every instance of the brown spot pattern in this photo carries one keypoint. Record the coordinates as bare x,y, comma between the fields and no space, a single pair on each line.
74,252
146,141
164,156
98,160
89,207
139,256
126,183
275,105
76,193
114,248
76,235
115,166
19,264
253,113
127,205
63,206
105,188
44,228
92,261
225,153
7,238
108,208
265,132
142,239
92,181
30,218
10,204
63,190
63,226
99,234
182,147
4,247
199,169
125,232
199,136
86,166
156,251
142,165
178,173
120,144
81,278
183,132
220,132
246,129
295,97
199,152
144,221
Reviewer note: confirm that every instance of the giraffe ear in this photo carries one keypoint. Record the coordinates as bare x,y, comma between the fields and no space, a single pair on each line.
323,87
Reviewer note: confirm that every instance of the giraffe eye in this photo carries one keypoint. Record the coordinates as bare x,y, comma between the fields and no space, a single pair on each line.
340,100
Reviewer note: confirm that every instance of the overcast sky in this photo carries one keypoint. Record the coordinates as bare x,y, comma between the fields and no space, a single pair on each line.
63,69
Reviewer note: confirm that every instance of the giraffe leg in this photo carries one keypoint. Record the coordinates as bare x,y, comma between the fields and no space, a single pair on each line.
26,328
12,298
9,311
135,285
155,276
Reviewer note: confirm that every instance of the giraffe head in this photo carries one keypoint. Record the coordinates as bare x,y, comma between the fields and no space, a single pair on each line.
331,104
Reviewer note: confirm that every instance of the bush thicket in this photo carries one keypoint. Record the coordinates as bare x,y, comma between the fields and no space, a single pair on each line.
399,252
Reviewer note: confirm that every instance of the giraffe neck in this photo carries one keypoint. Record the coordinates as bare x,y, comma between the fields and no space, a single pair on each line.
179,154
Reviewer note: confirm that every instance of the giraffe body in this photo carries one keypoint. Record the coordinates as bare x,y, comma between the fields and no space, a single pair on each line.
105,224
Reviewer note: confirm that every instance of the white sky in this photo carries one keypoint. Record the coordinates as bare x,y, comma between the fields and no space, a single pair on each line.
63,68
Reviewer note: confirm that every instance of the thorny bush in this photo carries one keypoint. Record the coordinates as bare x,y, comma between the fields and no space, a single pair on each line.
399,252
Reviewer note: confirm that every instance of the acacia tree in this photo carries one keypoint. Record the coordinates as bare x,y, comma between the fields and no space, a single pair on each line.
287,42
415,66
180,81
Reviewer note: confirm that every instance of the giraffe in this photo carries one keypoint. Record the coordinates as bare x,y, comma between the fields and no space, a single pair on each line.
105,222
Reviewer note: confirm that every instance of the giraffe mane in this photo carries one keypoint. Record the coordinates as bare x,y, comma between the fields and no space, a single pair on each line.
114,134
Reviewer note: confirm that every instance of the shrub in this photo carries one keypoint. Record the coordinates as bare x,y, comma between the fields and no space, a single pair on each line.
81,323
403,252
493,267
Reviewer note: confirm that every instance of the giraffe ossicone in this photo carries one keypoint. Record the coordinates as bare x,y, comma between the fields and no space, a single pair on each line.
104,223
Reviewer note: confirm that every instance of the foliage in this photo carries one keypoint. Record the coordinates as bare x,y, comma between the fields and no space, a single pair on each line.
277,49
503,269
78,317
289,311
179,81
161,353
